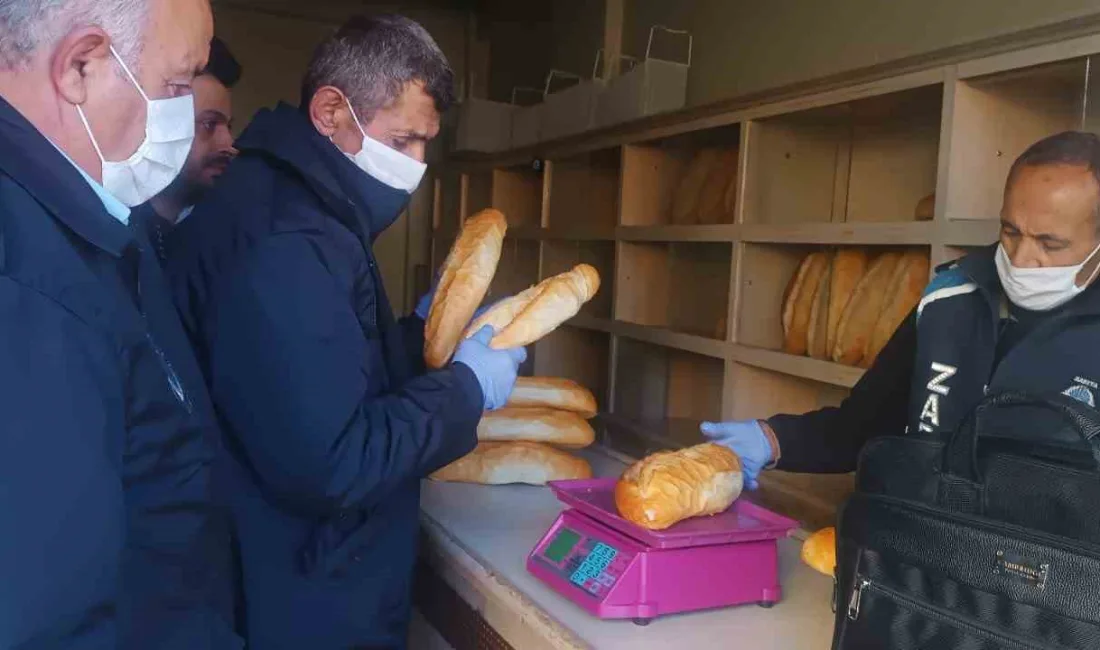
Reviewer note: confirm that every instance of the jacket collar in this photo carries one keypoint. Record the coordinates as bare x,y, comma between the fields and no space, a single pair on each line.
357,200
33,162
980,267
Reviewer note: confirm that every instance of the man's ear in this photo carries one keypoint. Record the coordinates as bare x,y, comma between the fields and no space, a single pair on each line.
81,55
326,109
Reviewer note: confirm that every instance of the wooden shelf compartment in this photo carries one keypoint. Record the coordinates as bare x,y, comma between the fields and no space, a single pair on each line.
869,160
766,271
654,191
515,191
655,384
584,193
517,269
995,118
447,205
682,287
757,393
578,354
559,256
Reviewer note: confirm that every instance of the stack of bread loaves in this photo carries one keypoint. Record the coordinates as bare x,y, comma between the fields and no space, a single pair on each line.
515,441
844,305
522,442
707,191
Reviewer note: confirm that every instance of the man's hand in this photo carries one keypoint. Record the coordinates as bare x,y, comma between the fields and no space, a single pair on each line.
495,369
748,440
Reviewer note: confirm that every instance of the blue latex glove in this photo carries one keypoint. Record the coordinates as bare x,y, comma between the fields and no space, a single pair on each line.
495,369
745,438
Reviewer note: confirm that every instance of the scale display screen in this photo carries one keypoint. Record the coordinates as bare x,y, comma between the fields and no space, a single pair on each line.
564,542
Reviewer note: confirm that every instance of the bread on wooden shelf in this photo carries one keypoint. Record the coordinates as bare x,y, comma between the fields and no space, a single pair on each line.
798,301
562,428
535,312
555,393
463,282
685,200
926,208
819,551
501,463
714,205
849,266
902,295
857,323
670,486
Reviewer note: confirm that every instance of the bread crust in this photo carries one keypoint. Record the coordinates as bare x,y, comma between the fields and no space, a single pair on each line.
857,323
670,486
902,295
849,267
799,301
555,393
819,551
502,463
561,428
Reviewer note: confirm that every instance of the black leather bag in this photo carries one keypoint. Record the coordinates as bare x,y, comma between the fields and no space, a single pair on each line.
974,543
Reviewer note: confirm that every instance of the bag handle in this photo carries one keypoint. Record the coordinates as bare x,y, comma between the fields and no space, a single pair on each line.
961,453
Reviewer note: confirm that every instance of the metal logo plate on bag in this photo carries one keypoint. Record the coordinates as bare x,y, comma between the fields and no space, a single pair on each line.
1014,565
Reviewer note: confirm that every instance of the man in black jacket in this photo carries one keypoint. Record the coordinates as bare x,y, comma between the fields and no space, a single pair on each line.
1021,315
330,416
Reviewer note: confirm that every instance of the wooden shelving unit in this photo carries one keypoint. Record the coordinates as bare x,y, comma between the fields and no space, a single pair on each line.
687,325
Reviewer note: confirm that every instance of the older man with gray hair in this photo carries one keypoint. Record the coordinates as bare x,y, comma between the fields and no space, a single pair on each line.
330,417
110,538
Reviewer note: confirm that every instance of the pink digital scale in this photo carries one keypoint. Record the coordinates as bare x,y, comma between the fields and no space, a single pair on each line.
614,569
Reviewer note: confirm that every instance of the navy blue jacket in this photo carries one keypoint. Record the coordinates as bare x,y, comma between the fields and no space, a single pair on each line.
944,358
110,538
327,410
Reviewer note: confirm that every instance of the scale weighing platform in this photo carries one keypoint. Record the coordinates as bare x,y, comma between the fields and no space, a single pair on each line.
614,569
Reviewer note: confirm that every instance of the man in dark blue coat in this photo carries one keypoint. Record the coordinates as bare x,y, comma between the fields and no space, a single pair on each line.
329,415
109,538
1021,315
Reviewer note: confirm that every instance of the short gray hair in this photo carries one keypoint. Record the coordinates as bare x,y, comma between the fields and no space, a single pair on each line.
372,58
28,25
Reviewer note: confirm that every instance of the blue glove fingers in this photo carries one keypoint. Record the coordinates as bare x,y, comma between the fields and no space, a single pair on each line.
519,355
483,335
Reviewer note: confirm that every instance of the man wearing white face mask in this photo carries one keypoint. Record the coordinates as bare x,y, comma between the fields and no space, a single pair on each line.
110,535
330,417
1021,315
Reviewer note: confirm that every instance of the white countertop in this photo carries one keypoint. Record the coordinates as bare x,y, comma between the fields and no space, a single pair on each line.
493,528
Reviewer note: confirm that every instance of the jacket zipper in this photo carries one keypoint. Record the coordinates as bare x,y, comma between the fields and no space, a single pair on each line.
942,614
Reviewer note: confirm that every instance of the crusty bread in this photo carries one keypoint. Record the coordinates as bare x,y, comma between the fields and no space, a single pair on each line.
819,551
465,278
685,200
799,301
562,428
712,206
670,486
500,463
849,266
857,323
819,318
926,208
554,393
902,295
535,312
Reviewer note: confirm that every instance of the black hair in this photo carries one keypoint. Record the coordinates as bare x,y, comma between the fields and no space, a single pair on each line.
222,65
1077,148
372,58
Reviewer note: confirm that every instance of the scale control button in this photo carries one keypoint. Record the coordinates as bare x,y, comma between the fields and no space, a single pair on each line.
606,579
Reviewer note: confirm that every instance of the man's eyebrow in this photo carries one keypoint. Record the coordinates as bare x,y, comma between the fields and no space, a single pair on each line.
411,135
212,113
1052,239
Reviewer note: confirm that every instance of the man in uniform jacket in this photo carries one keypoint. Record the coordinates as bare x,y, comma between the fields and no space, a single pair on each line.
329,415
109,538
1023,314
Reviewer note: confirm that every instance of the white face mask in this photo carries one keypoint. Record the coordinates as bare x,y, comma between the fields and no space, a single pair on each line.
169,131
1042,288
386,165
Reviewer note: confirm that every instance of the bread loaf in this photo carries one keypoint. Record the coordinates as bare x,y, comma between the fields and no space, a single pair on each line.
730,199
532,314
799,301
902,295
819,551
712,206
857,323
819,318
499,463
849,266
464,279
685,200
554,393
926,208
670,486
562,428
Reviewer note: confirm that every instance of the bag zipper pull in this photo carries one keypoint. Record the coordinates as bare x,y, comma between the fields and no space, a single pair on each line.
857,596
